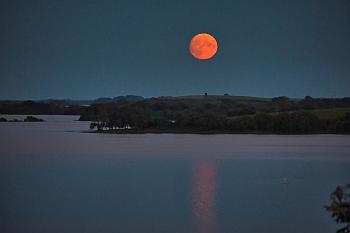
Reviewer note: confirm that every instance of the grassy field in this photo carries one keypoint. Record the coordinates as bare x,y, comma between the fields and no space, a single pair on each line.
332,113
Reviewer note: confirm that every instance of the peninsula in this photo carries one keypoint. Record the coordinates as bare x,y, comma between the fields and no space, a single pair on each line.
221,114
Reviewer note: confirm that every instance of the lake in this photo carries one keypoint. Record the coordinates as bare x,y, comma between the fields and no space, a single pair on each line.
54,178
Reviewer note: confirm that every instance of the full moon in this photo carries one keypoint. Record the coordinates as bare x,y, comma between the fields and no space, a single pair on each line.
203,46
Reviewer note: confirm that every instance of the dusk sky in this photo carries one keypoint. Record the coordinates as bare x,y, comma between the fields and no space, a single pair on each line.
86,49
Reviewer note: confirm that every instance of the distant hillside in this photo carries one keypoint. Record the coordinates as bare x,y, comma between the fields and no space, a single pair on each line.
101,100
216,102
224,97
58,107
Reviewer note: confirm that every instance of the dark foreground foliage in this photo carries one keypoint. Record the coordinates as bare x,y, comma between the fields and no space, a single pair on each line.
340,207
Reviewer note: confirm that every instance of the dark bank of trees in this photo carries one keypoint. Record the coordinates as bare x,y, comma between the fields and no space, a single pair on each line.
293,122
218,115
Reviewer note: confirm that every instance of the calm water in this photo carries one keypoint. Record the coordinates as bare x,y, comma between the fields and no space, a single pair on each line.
55,179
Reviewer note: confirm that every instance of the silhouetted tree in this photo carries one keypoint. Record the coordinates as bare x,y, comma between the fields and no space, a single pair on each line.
340,207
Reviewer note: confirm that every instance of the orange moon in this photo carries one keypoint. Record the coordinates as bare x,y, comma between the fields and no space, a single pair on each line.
203,46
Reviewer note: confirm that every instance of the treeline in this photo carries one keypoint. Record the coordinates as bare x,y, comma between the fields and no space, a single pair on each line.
36,108
56,106
213,115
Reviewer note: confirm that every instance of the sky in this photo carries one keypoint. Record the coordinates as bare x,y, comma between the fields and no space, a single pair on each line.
85,49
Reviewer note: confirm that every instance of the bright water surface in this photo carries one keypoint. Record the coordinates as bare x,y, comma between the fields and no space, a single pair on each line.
55,179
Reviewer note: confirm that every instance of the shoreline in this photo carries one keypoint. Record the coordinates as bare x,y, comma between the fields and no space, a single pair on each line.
207,132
